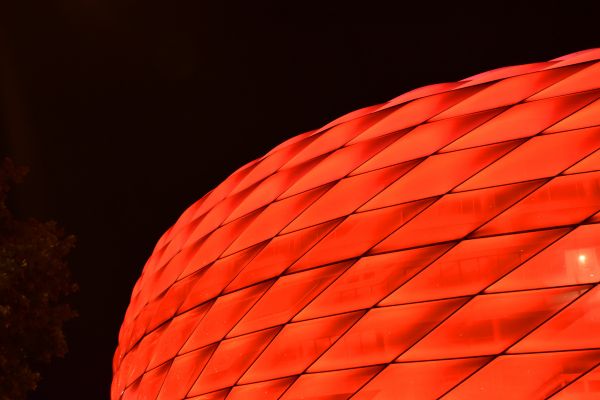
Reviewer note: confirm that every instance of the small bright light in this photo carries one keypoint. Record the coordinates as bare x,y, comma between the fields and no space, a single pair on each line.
582,258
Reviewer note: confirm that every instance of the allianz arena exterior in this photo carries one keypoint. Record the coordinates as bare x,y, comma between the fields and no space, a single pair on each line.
445,244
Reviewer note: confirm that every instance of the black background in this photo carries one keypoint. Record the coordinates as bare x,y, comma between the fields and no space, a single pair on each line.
128,111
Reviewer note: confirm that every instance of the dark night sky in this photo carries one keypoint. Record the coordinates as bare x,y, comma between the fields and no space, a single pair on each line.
128,111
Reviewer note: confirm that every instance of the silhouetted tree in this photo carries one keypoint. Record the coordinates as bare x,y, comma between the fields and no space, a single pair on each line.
34,283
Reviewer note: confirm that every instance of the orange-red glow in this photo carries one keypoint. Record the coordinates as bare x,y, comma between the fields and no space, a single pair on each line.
445,244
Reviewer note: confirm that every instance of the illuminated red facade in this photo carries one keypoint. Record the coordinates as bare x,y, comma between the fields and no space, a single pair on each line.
445,243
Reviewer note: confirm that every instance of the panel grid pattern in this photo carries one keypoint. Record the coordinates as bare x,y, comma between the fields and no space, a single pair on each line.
444,244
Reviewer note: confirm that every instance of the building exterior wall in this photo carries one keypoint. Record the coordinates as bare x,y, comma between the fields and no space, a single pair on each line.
446,242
